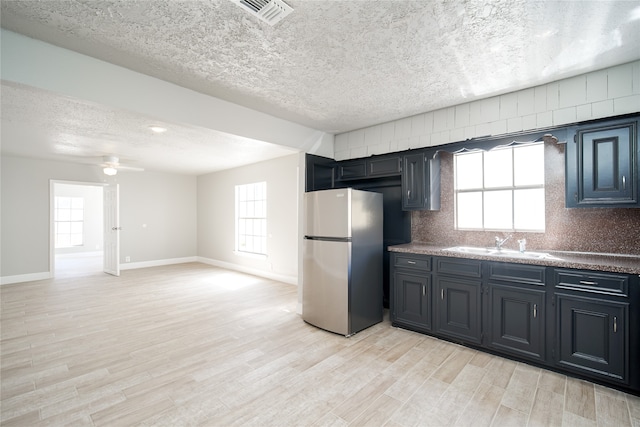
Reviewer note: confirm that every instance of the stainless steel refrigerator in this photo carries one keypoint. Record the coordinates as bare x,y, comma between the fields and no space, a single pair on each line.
342,268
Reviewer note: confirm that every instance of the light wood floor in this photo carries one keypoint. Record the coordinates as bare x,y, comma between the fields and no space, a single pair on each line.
196,345
78,264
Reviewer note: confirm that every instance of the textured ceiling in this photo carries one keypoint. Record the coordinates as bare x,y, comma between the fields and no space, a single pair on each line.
66,129
336,66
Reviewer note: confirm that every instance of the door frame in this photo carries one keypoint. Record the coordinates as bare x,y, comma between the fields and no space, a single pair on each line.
52,197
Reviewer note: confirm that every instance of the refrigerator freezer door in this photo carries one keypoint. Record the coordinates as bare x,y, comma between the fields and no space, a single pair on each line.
328,213
325,297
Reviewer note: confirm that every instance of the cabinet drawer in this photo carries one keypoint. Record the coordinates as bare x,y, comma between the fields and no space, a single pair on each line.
413,261
517,273
602,283
459,267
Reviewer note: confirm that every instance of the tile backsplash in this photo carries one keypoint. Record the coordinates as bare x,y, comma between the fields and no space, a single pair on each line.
604,230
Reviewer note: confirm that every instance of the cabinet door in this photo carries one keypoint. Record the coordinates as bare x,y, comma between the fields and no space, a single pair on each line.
352,169
517,320
384,166
592,336
606,169
319,173
412,300
458,312
413,182
421,182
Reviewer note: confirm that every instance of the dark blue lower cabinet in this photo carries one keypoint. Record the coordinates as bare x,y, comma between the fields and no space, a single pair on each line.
593,336
583,323
412,300
517,321
458,308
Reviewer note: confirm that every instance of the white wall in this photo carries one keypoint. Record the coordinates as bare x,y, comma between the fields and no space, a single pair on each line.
216,218
24,219
605,93
158,217
166,202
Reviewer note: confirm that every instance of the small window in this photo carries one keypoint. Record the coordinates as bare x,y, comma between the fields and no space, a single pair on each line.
501,189
251,218
69,222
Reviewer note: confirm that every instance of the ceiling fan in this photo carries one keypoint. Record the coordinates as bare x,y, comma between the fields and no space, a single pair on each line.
111,164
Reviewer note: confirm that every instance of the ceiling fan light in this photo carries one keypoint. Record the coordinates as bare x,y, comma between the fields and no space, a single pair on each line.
110,171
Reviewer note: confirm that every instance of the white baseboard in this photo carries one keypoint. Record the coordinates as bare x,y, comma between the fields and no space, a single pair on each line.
292,280
19,278
156,263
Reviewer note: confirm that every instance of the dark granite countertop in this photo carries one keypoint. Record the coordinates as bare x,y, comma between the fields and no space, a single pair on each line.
615,263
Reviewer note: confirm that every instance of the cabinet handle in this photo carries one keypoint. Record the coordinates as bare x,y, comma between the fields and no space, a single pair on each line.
535,310
424,290
442,293
586,282
408,194
411,262
412,174
615,324
624,182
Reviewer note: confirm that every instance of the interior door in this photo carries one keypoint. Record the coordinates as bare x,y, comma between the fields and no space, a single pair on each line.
112,229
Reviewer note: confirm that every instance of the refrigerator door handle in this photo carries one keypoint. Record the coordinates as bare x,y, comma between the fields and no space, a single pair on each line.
328,239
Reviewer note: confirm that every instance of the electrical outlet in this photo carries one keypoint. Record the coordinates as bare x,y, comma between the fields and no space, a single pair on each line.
127,259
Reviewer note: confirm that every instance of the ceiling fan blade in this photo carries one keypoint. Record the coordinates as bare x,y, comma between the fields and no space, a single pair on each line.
112,161
129,168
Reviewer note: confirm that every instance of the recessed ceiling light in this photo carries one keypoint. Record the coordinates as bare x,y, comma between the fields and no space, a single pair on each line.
157,129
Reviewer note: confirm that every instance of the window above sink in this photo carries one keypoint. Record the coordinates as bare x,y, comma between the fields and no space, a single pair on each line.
500,189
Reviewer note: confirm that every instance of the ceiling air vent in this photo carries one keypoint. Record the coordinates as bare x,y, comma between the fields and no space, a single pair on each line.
269,11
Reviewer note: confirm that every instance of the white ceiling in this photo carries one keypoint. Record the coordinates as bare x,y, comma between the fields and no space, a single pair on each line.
41,124
333,66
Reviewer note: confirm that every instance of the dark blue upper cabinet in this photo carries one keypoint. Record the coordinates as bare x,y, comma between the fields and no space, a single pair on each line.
602,165
370,167
421,181
320,173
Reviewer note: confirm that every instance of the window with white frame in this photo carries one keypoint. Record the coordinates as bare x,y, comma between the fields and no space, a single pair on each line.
500,189
251,218
69,221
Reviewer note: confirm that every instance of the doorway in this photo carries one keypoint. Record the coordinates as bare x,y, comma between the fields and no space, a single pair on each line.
77,231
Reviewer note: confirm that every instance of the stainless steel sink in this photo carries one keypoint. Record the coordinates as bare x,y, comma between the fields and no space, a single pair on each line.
527,254
502,253
472,250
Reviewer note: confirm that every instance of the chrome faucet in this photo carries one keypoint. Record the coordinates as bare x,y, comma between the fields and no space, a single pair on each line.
522,245
500,242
